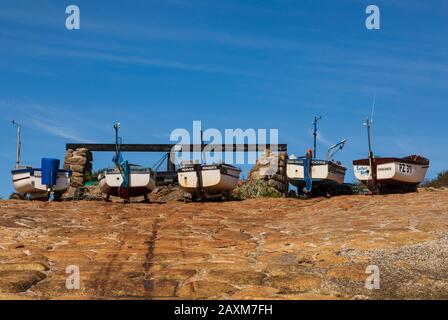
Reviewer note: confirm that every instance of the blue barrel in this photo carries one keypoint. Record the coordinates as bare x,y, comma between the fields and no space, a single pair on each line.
50,170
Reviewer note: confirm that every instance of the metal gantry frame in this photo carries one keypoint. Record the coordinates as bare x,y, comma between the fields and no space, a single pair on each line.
169,148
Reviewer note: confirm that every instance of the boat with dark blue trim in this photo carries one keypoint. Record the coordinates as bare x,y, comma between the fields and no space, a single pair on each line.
309,174
48,181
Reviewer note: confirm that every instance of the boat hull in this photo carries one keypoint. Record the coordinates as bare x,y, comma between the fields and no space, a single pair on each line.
392,173
216,179
325,175
141,182
29,181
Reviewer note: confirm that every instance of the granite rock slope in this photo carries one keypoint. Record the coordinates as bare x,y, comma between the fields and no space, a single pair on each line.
254,249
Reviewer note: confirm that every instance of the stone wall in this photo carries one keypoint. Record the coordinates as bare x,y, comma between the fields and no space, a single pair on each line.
80,162
273,176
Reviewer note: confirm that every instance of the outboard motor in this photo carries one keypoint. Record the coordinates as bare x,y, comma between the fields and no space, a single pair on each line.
50,171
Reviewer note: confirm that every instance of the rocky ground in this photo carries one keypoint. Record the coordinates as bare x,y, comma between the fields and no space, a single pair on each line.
254,249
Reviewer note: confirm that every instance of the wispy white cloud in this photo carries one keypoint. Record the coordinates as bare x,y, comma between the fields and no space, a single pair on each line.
128,49
45,118
320,138
58,130
144,61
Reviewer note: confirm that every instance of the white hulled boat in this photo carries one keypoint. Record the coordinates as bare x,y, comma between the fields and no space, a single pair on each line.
325,174
201,180
126,180
389,174
208,180
309,174
141,181
28,181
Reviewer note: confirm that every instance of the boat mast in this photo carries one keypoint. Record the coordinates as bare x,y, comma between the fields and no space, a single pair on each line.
372,165
18,144
368,125
198,169
116,127
202,148
315,134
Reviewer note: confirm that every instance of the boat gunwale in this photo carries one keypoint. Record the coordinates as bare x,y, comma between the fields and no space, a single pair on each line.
222,167
142,170
320,162
384,160
32,170
187,168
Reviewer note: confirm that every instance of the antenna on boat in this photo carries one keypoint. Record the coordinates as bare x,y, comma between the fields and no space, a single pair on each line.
368,124
117,151
18,143
373,108
315,133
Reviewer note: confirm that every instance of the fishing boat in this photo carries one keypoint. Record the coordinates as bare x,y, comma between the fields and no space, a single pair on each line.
28,181
35,183
126,180
389,174
309,174
203,180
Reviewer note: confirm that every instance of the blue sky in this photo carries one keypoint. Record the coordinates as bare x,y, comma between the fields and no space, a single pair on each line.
158,65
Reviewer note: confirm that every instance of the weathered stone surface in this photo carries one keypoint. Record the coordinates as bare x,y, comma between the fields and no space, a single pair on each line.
166,194
347,273
246,277
255,293
271,168
276,184
12,281
253,249
76,160
293,284
77,174
36,266
76,181
161,288
85,153
205,289
79,162
76,168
